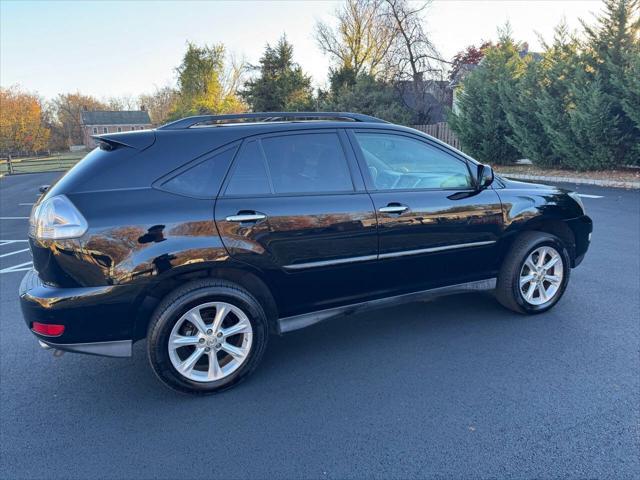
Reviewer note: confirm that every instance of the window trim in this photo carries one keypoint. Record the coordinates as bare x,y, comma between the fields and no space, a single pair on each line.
258,138
364,168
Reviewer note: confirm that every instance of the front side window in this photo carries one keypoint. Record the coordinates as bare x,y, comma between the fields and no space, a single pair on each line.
399,162
289,164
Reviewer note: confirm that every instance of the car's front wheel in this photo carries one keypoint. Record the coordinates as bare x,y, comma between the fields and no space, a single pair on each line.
534,274
206,336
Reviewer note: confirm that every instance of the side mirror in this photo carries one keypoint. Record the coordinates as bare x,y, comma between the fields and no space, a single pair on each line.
485,176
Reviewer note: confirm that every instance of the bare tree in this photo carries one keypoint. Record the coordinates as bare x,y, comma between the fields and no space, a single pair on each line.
413,62
413,56
361,39
66,109
236,73
122,103
387,39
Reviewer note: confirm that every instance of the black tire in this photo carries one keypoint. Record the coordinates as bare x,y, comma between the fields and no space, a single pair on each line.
178,302
508,290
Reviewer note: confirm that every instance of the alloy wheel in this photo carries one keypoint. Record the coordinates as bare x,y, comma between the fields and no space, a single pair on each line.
541,276
210,341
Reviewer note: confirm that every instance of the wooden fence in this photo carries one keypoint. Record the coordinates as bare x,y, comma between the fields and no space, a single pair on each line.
53,163
441,131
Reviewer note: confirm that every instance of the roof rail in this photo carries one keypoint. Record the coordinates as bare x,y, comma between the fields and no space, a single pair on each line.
267,117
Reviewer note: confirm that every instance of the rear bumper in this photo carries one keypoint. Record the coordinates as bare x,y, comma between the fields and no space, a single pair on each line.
582,228
118,348
97,320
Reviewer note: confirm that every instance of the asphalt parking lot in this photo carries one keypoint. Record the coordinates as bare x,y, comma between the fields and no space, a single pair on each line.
455,388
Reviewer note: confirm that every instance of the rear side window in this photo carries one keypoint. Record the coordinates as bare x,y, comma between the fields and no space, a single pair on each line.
204,179
289,164
307,163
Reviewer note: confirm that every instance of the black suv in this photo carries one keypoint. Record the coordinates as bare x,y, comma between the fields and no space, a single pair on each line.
209,234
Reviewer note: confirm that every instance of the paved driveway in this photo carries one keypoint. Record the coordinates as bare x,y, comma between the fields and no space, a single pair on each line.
459,387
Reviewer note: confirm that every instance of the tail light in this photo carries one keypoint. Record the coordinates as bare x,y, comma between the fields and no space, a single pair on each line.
56,218
47,329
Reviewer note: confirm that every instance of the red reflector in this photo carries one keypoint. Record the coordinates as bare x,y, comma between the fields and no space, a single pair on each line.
48,329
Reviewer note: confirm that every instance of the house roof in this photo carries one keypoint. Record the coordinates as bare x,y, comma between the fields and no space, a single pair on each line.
461,73
103,117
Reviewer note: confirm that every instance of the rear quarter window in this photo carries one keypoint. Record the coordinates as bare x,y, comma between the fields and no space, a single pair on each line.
204,179
249,173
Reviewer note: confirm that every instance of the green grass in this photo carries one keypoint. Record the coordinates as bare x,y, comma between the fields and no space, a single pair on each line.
60,162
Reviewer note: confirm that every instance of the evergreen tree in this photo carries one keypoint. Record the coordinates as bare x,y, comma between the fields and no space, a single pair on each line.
595,135
628,85
342,77
281,84
602,97
370,97
481,122
519,101
556,76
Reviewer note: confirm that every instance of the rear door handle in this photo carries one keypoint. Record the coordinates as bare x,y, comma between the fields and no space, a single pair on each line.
394,208
246,217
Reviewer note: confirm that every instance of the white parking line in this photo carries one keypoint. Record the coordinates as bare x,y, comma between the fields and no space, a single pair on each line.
14,253
585,195
23,267
26,204
14,218
7,242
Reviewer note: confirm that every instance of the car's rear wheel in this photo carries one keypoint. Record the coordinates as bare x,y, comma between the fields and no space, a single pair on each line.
206,336
534,274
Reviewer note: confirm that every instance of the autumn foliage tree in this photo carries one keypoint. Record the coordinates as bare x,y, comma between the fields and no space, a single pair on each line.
471,55
66,109
159,103
22,129
208,82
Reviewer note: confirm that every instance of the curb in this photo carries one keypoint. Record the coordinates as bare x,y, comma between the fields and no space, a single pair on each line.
576,180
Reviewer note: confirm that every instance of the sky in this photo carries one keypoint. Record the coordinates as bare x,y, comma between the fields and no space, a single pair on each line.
117,48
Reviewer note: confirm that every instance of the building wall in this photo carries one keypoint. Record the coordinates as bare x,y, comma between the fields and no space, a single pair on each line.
455,107
89,130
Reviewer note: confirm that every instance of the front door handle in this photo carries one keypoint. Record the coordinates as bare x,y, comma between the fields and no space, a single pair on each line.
394,208
246,217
